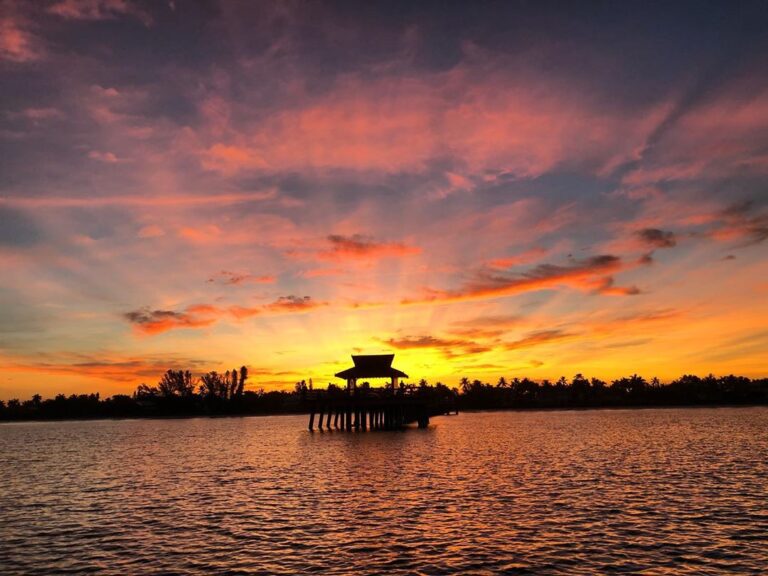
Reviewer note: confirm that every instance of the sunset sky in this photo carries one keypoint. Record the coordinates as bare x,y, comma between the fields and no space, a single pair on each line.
511,188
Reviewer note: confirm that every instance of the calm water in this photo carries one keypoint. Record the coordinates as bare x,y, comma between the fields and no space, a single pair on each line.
654,491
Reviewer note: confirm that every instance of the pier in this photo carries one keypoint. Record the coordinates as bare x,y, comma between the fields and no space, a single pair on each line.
364,408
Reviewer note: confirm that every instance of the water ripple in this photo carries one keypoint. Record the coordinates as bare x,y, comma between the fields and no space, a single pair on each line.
651,491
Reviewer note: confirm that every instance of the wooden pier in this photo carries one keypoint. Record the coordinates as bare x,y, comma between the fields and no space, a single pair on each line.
367,413
364,408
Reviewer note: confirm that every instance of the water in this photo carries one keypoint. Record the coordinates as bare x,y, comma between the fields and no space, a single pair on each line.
654,491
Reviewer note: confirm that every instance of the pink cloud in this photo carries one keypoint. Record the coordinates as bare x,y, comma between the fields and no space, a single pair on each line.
107,157
719,138
99,10
17,43
480,116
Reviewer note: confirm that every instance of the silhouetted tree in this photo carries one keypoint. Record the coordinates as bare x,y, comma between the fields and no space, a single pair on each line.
224,393
241,382
213,387
301,390
176,383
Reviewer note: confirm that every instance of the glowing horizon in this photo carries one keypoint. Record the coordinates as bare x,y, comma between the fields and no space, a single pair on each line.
282,185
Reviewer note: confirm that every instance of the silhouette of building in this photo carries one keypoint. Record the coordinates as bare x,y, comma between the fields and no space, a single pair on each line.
371,366
366,409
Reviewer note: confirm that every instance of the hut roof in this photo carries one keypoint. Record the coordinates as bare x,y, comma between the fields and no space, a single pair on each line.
372,366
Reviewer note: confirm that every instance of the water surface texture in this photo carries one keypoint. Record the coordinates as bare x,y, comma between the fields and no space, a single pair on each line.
654,491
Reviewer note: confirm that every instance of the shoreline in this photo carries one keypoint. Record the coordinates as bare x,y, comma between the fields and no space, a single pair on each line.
468,410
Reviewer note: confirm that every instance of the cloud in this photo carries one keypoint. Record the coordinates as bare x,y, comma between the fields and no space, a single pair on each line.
359,246
99,10
521,258
17,43
153,322
657,238
742,222
227,278
449,347
478,114
592,274
717,136
539,338
502,321
292,304
483,327
607,287
106,157
409,343
154,200
106,366
40,114
283,305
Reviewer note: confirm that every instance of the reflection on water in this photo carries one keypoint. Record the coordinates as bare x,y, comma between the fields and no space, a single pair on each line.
666,491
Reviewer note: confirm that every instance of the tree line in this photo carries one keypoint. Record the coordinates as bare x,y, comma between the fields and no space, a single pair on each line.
180,393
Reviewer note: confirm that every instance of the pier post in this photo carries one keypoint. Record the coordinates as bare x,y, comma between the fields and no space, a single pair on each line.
336,417
320,417
312,418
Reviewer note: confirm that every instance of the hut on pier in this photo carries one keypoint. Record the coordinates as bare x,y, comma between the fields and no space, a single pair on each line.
368,366
361,409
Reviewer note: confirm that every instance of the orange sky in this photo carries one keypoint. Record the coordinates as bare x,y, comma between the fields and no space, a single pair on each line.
281,186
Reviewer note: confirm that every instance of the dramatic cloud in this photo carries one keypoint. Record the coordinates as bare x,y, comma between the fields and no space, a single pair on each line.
444,183
475,113
592,274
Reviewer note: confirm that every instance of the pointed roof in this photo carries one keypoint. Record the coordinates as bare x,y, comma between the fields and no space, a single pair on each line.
372,366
